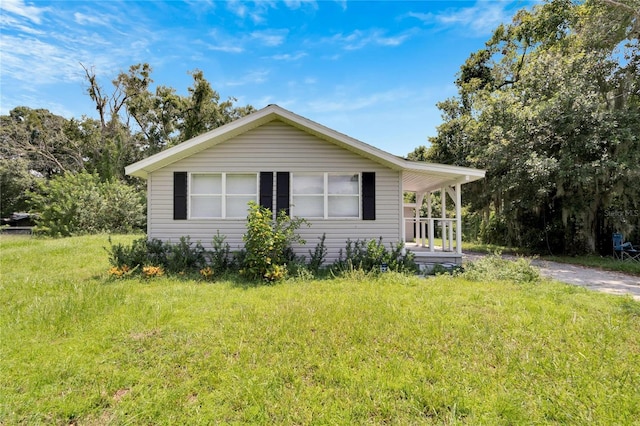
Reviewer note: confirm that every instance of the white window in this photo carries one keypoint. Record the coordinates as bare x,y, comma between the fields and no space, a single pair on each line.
221,195
326,195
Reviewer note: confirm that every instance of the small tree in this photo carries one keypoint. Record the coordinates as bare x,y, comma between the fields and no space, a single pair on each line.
15,181
80,203
268,243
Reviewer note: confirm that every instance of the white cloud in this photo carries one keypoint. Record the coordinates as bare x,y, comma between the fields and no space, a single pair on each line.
18,7
342,4
34,61
227,48
270,38
254,77
289,57
97,19
482,18
258,9
201,6
51,53
298,4
345,103
223,42
359,39
238,8
7,22
256,13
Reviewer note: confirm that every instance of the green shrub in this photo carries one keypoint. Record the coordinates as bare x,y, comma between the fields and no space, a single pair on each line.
219,258
267,243
495,268
185,256
182,257
371,255
80,203
157,252
133,256
15,181
317,257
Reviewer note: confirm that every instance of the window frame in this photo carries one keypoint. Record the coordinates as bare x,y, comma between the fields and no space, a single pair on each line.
224,195
326,196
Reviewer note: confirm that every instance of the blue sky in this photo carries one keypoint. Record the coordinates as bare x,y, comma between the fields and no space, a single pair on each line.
371,70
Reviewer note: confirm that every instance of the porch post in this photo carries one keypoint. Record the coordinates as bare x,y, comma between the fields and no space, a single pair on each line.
458,218
403,221
429,221
416,220
443,202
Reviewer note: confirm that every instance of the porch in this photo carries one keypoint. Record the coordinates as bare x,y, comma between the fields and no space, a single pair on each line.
432,224
433,240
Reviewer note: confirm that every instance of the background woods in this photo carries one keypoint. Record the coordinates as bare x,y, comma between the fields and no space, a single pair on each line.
38,148
551,108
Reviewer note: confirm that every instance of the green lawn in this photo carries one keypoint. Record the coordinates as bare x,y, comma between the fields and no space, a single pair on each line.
594,261
79,348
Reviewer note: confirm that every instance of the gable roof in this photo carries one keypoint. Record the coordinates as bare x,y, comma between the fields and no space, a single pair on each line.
417,176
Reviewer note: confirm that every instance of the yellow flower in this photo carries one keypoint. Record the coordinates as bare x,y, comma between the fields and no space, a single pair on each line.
206,272
152,271
115,272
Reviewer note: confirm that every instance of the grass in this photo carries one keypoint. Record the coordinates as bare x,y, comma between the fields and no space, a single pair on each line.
79,348
607,263
493,248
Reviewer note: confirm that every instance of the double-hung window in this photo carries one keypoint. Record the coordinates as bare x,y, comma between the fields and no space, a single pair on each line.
221,195
326,195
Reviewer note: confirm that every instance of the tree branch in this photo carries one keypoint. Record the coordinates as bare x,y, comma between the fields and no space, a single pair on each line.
95,93
623,6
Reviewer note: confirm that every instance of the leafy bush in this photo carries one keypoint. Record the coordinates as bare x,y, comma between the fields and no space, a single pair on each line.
15,181
80,203
133,256
185,256
174,258
372,254
317,257
219,258
495,268
267,248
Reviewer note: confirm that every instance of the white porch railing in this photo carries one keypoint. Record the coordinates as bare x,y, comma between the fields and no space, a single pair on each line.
425,232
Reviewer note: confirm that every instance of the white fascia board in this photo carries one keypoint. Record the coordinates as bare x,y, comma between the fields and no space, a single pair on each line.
416,166
444,184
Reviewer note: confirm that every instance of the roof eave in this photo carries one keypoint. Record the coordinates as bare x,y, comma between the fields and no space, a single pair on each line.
207,140
199,143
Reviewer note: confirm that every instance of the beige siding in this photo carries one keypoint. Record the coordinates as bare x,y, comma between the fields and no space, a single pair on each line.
276,147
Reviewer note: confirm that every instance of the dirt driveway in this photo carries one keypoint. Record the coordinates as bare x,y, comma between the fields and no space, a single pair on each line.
593,279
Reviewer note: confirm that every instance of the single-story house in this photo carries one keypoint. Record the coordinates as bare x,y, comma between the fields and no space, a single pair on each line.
346,189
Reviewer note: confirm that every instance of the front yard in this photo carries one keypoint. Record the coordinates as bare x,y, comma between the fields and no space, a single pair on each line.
80,347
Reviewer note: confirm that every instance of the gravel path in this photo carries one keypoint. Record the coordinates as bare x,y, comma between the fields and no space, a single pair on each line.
593,279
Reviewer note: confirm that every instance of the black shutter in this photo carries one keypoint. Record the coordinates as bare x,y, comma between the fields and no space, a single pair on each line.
266,190
179,195
282,192
368,195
